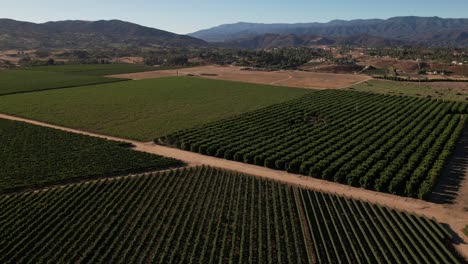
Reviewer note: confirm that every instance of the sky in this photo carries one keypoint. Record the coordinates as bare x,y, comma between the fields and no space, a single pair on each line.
191,15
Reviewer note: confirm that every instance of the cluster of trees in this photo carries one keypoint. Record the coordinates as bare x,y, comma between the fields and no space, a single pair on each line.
409,79
273,59
280,58
445,55
168,60
28,62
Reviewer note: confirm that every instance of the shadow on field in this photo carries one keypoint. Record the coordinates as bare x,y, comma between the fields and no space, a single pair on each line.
453,174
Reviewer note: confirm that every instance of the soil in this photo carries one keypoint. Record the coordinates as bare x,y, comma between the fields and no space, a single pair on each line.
454,215
129,60
300,79
305,226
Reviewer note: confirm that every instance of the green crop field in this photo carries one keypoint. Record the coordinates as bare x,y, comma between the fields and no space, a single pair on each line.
381,142
97,69
445,91
146,109
207,215
32,156
20,81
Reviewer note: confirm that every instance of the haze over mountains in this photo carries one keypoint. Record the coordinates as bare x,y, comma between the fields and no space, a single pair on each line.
435,31
432,31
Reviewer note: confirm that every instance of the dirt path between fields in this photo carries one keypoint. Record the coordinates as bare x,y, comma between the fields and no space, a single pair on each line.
283,80
455,215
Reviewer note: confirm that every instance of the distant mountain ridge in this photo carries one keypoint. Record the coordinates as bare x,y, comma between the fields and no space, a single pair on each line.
87,34
427,30
268,41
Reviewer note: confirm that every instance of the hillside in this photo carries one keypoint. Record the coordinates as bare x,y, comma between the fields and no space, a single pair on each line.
432,30
85,34
268,41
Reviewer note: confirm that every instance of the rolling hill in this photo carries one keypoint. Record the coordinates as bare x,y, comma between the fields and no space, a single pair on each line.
85,34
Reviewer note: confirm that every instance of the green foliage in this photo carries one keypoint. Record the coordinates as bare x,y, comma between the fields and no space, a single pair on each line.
199,215
146,109
279,58
33,156
423,80
208,215
274,59
349,231
96,69
20,81
385,143
440,54
170,60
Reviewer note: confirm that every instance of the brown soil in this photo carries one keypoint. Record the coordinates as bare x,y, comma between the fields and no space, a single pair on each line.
130,60
299,79
454,215
305,226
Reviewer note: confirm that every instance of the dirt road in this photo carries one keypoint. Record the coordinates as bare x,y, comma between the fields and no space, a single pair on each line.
452,214
300,79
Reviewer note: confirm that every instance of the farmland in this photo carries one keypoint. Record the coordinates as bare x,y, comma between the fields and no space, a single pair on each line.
146,109
379,142
20,81
64,76
206,215
454,91
33,156
97,69
290,78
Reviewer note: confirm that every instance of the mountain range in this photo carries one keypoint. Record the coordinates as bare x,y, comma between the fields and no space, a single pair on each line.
77,34
434,31
268,41
87,34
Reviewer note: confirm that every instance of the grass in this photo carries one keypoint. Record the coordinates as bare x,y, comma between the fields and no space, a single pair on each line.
98,69
33,156
432,90
146,109
465,230
20,81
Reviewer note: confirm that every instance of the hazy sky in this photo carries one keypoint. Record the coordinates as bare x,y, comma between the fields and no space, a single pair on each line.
191,15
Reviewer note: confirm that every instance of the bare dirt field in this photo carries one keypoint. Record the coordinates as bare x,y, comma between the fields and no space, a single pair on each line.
455,215
300,79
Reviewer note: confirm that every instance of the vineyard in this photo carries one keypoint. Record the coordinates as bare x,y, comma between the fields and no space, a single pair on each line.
145,109
207,215
32,156
380,142
364,233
